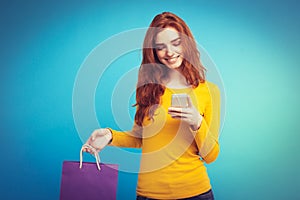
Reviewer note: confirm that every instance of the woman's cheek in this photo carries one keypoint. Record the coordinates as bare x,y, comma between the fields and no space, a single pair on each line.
160,56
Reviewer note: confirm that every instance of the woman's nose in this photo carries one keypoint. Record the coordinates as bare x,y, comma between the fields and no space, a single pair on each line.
170,51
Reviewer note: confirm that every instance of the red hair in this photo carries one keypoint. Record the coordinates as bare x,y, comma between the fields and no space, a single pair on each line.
152,73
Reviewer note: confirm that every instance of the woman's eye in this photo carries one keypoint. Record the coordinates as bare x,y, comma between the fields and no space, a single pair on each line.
159,47
177,43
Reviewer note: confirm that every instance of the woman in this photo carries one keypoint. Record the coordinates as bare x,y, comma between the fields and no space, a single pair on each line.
175,141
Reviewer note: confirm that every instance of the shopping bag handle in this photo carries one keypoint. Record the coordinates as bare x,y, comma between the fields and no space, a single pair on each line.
95,154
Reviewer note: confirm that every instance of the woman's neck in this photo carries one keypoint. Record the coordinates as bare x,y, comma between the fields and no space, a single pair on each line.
176,80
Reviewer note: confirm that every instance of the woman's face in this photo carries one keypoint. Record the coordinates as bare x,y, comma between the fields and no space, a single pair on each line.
168,48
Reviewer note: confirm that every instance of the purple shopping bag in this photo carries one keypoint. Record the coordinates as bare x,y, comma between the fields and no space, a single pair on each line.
88,182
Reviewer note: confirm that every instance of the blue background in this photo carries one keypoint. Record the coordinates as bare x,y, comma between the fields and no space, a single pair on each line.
255,45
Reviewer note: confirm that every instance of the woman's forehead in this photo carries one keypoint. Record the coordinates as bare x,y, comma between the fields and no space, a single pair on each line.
167,35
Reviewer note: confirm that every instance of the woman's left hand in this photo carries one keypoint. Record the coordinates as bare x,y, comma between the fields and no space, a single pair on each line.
188,114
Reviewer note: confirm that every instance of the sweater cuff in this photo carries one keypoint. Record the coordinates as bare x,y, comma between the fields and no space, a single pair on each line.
112,137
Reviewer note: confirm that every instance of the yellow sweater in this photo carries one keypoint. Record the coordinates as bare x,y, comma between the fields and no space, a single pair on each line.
172,160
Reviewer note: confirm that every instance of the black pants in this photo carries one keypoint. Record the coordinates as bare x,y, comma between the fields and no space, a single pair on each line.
205,196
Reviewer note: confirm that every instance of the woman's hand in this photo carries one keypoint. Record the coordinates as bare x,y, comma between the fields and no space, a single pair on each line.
98,140
188,114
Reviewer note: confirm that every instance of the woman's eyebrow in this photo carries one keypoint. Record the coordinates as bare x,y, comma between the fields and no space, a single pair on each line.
171,41
176,39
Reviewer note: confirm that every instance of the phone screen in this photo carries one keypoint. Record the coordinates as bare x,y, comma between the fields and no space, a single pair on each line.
179,100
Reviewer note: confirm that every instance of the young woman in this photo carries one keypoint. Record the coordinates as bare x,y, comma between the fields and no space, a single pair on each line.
176,141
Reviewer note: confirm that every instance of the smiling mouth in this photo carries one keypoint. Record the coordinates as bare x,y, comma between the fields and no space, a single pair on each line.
172,59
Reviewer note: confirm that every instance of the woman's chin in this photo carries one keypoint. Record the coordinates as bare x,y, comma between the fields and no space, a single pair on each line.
173,66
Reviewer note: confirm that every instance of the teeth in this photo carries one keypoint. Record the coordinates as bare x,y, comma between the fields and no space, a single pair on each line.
172,59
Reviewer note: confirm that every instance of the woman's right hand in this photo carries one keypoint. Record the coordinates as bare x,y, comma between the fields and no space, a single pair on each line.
98,139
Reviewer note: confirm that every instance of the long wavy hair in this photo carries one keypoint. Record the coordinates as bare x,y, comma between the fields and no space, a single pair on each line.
152,73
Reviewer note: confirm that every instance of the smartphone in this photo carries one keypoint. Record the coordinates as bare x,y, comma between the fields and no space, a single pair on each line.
179,100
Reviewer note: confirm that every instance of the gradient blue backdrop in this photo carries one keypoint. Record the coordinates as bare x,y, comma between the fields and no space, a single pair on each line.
255,45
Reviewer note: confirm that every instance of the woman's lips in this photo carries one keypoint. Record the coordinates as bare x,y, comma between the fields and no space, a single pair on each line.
172,60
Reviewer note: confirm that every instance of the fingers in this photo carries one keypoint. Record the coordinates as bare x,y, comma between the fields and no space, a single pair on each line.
181,115
188,114
179,110
184,114
90,149
184,117
97,141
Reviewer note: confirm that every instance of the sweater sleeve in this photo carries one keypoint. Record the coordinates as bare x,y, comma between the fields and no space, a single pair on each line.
130,139
208,134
